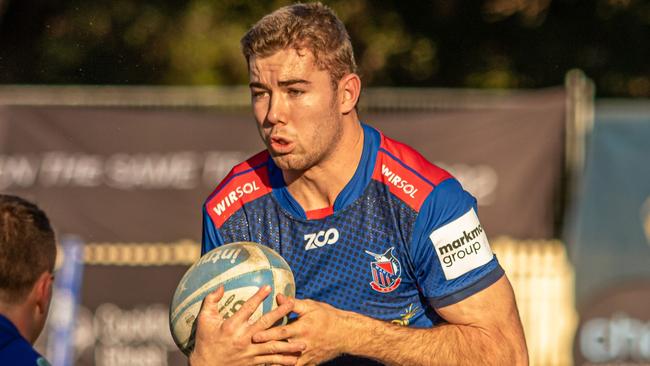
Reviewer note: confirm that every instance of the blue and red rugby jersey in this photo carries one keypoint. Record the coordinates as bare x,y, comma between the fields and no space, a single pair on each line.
402,237
16,350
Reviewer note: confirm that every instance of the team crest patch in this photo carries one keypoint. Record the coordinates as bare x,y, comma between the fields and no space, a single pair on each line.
386,271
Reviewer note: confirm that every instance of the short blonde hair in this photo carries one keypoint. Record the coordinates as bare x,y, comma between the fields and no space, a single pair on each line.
312,26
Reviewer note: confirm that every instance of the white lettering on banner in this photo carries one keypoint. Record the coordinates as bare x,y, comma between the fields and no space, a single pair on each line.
461,245
620,338
398,182
178,170
113,336
114,326
17,171
60,169
480,180
131,355
217,164
234,195
172,170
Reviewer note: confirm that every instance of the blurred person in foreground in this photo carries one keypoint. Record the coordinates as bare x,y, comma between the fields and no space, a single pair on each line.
391,263
27,256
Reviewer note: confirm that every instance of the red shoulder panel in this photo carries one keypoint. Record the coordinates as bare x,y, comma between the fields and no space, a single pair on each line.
413,159
396,166
245,183
255,160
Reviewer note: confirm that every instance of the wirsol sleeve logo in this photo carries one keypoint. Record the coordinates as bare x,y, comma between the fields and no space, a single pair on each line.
461,245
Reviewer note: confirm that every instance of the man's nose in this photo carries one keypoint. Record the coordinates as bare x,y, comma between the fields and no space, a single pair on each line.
277,110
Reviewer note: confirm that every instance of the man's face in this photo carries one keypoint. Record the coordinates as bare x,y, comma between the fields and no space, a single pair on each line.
295,107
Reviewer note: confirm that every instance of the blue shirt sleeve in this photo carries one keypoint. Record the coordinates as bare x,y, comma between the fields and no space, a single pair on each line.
450,250
211,237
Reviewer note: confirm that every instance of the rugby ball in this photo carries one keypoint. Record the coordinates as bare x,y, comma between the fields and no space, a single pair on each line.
242,268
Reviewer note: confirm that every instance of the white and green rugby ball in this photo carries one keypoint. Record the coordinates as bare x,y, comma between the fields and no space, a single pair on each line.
242,268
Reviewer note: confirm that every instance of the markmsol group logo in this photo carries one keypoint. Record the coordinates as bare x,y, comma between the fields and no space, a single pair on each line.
461,245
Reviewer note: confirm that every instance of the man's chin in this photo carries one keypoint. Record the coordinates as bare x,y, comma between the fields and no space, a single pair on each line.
288,162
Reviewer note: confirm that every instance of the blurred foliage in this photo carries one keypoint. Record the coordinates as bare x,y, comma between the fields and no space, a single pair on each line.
442,43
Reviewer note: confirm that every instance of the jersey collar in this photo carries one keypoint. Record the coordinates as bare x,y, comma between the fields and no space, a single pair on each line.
350,193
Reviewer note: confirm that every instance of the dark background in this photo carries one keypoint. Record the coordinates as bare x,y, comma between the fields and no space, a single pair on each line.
439,43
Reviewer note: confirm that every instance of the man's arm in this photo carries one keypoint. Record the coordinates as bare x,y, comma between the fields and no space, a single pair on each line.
483,329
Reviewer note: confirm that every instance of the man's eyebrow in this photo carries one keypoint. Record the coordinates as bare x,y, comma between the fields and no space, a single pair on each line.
256,84
290,82
282,83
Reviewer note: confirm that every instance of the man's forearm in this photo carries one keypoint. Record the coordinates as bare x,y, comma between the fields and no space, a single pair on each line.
447,344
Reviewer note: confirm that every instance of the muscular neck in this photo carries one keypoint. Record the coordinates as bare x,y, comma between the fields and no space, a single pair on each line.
319,186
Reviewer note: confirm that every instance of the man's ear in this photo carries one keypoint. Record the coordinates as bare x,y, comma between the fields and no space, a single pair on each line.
350,89
42,292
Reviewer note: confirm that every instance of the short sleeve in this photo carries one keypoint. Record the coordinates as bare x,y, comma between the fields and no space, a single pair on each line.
450,250
211,237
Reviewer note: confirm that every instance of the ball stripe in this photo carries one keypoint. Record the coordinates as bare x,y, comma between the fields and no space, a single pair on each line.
242,268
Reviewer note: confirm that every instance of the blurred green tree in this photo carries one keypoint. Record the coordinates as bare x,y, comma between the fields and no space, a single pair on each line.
443,43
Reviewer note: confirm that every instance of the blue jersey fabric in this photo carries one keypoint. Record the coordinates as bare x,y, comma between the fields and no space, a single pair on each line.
14,349
373,251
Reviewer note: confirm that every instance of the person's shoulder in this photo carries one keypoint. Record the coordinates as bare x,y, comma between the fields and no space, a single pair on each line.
412,159
407,173
246,182
248,166
20,353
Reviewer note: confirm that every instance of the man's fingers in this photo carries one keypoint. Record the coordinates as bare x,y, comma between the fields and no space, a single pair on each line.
275,334
273,347
249,307
209,304
285,360
272,317
281,299
278,353
299,306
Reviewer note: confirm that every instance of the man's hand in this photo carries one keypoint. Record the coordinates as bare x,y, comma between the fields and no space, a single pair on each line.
317,327
483,329
220,341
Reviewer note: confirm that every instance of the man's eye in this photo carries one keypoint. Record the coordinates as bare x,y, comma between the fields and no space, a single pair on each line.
258,93
295,92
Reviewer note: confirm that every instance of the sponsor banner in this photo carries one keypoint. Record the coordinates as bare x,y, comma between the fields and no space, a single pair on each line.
609,233
121,175
511,160
615,327
141,175
123,318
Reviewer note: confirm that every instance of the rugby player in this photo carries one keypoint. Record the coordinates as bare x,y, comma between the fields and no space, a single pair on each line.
392,265
27,256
